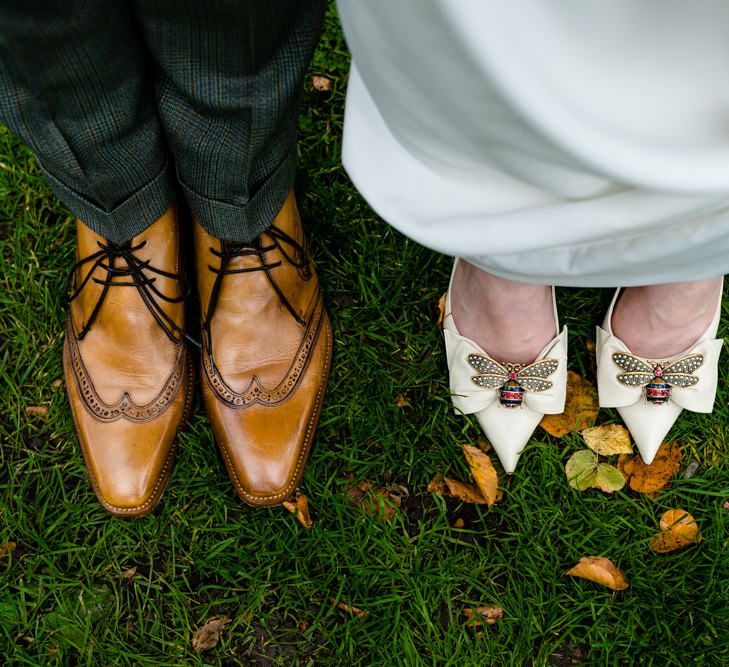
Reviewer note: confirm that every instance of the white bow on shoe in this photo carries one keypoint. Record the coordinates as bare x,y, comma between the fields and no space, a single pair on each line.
651,393
482,386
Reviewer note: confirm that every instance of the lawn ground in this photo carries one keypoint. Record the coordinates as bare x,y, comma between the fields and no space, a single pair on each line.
67,592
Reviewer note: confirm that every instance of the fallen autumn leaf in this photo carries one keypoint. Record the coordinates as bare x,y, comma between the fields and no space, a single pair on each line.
479,615
580,411
207,636
585,472
441,310
483,472
301,507
452,488
7,548
654,477
401,401
608,439
321,84
36,410
678,530
600,570
383,501
351,609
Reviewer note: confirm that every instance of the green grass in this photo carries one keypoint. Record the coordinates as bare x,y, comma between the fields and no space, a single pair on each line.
202,553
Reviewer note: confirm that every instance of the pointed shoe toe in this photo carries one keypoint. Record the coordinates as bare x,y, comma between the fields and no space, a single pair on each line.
508,400
508,433
650,394
649,429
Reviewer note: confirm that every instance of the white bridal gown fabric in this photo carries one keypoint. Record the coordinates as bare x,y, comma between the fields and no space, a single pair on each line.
570,142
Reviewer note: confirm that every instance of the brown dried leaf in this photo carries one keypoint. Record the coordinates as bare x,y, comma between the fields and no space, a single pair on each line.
128,574
7,548
654,477
483,472
301,507
467,493
350,609
208,635
441,310
36,410
679,529
484,446
580,410
383,501
479,615
56,383
401,401
608,439
322,84
459,523
452,488
726,505
437,485
600,570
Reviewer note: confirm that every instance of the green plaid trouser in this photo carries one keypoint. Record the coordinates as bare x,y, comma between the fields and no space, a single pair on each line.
119,99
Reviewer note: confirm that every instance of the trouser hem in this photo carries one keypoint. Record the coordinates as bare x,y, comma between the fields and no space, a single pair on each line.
127,219
243,222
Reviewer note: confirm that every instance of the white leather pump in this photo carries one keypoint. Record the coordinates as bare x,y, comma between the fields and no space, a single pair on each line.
509,400
650,394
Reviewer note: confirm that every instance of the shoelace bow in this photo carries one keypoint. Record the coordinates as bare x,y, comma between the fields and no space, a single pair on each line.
230,250
136,270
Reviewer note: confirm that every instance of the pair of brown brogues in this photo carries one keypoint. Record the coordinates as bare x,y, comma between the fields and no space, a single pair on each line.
266,348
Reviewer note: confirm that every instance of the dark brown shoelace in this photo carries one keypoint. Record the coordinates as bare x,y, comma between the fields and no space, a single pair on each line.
107,258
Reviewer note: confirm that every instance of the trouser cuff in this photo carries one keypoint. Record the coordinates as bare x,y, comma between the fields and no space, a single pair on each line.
128,218
243,222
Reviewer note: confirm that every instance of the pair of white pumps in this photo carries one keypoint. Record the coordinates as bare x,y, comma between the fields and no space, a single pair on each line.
509,400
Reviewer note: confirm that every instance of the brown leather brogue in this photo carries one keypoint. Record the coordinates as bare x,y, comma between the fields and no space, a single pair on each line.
266,354
126,363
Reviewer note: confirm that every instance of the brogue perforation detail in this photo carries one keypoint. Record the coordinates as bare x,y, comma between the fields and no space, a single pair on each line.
256,393
125,407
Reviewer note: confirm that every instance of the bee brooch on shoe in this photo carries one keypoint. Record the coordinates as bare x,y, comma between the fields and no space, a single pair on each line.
655,377
512,380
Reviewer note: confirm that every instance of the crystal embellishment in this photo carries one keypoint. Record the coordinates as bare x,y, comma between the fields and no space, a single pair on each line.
641,372
513,377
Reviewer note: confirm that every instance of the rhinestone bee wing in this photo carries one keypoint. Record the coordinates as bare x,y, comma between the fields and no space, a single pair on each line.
532,377
491,374
638,372
679,372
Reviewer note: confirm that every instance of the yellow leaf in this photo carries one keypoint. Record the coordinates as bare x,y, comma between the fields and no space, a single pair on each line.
208,635
608,439
301,508
483,472
36,410
654,477
601,571
679,529
441,310
580,409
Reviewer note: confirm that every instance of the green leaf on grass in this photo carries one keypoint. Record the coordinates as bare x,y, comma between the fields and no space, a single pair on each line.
585,472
